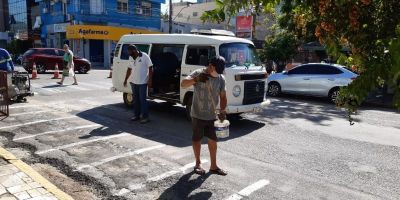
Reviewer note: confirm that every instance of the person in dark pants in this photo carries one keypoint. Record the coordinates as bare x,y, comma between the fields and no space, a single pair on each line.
209,87
139,66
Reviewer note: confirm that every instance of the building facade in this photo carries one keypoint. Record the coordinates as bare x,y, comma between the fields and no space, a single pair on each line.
93,27
186,17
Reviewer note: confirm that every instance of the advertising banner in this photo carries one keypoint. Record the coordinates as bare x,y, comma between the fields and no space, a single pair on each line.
244,26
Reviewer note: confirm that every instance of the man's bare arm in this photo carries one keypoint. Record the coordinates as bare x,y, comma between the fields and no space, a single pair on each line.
187,82
128,74
223,101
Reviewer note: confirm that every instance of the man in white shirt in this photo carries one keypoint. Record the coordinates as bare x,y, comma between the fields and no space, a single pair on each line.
139,66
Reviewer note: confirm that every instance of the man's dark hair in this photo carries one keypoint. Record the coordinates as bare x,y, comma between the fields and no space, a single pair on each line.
219,63
132,47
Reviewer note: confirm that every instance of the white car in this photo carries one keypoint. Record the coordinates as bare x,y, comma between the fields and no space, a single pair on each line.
319,79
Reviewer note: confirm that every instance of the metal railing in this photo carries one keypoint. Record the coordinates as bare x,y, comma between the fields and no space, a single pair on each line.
4,101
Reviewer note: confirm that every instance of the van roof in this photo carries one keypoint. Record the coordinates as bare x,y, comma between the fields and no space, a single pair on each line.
182,39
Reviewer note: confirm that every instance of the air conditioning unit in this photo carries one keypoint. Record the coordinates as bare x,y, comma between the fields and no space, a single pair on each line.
139,11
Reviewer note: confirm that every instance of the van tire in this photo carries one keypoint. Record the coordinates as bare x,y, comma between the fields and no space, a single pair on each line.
129,100
189,108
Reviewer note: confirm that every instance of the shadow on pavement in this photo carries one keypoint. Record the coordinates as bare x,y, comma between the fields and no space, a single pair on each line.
185,186
316,110
168,123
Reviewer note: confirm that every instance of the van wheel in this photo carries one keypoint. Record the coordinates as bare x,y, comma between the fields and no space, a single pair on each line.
189,108
128,99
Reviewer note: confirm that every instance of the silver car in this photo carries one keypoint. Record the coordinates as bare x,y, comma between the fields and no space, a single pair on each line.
322,80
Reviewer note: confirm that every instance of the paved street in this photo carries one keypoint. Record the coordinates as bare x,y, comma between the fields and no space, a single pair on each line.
81,139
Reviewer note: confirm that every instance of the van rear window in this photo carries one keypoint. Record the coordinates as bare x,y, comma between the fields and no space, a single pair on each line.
124,52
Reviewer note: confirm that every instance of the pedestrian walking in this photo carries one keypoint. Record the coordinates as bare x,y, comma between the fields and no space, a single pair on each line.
139,66
209,86
6,64
68,66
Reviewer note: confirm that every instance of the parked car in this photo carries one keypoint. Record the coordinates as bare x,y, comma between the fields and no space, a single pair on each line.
322,80
46,59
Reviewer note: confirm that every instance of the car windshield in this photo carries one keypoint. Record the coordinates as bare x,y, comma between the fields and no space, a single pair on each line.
29,52
239,54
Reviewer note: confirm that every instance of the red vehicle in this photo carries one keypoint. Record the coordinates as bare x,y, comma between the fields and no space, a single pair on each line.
46,59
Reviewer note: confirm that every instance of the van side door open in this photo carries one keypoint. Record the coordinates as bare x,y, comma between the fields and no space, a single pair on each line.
167,61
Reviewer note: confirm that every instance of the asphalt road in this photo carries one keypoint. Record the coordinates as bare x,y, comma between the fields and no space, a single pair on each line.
81,138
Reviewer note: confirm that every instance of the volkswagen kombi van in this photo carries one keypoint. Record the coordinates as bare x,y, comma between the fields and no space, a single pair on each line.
175,56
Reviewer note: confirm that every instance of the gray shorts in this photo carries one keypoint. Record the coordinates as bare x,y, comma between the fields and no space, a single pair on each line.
203,128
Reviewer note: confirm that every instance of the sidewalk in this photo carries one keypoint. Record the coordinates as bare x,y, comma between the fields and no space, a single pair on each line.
18,181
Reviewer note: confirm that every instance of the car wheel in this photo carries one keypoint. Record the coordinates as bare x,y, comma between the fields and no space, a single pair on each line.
83,70
41,68
333,95
274,89
189,108
129,99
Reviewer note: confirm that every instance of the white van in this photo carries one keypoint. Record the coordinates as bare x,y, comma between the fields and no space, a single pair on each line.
175,56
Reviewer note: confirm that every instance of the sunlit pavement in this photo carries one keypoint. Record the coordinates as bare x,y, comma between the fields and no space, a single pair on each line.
297,148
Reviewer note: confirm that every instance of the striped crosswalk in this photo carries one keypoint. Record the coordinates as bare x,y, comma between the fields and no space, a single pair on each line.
52,89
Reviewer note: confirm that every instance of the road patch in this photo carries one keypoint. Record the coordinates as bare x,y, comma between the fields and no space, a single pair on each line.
58,131
36,122
81,143
131,153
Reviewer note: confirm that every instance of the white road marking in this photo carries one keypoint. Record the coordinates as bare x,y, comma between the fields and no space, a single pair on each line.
94,85
75,88
81,143
36,122
131,153
183,169
30,113
173,172
248,190
23,106
57,131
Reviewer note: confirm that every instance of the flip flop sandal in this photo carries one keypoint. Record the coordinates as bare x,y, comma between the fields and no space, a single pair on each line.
218,171
199,170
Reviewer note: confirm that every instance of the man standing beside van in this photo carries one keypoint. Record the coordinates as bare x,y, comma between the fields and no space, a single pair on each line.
209,87
140,65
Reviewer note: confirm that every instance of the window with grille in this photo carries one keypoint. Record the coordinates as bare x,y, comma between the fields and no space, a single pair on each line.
122,6
143,8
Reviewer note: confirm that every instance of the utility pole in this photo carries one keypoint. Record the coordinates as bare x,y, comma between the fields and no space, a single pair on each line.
170,17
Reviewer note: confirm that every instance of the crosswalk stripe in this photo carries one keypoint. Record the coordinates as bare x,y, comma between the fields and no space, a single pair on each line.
162,176
131,153
248,190
22,106
30,113
58,131
81,143
36,122
94,85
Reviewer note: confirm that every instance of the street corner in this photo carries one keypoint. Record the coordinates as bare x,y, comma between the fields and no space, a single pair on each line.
19,181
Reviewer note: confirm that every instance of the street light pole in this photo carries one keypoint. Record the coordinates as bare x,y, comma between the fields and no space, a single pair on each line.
170,17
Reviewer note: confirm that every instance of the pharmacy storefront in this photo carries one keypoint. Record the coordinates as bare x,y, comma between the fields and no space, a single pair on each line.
96,43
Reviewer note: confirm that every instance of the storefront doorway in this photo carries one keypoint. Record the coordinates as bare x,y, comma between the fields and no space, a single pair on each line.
96,48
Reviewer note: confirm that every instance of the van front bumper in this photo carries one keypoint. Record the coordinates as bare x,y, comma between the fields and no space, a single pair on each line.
247,108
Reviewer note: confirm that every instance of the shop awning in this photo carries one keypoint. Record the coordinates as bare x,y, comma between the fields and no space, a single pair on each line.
102,32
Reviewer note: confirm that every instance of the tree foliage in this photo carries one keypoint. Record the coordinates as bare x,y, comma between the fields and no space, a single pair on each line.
280,47
370,28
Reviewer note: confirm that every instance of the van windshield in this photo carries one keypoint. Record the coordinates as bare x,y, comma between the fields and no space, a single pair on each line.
239,54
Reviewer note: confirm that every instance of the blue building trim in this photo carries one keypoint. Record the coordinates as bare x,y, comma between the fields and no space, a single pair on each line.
79,12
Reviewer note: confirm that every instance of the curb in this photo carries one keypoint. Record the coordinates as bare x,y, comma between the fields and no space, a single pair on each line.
34,175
